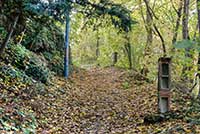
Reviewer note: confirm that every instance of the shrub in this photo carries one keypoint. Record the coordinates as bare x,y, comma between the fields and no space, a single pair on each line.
16,55
38,72
55,61
2,33
17,121
48,56
25,60
8,73
43,38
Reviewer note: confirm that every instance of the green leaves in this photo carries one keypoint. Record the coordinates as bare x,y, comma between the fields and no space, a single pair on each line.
123,19
16,120
38,72
119,15
187,44
126,85
34,9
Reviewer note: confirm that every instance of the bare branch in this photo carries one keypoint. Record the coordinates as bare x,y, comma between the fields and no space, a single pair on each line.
179,14
173,6
156,28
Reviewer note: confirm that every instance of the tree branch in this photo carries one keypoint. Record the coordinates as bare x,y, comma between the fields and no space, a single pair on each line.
156,28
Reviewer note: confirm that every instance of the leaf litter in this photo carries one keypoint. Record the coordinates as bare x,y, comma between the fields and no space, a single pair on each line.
108,101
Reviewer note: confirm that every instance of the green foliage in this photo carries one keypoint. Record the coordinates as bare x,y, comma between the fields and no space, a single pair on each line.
48,38
9,74
55,61
126,85
185,44
19,56
25,60
119,15
17,121
2,33
16,87
38,72
14,79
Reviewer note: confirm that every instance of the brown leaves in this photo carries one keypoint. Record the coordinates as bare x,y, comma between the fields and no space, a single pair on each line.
96,101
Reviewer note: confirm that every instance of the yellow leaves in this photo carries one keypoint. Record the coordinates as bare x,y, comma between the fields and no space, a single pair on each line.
96,100
198,129
140,121
82,114
188,130
141,128
55,129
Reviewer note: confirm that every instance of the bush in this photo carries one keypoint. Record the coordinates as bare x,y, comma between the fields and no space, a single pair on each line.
43,38
55,61
9,74
2,33
17,121
16,55
38,72
48,56
25,60
18,82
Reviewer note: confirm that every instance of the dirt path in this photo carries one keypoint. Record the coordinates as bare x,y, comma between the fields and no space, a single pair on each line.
97,103
110,107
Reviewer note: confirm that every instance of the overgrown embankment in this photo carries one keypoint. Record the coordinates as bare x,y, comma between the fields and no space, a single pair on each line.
23,76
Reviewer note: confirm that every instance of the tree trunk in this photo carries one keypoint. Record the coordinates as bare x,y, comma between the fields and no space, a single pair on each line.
149,40
198,9
97,45
185,19
9,35
179,14
128,50
114,58
185,34
149,30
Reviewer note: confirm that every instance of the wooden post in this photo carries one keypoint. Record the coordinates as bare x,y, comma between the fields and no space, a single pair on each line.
114,58
164,82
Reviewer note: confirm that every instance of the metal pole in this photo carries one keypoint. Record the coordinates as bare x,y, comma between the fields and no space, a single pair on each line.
66,60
